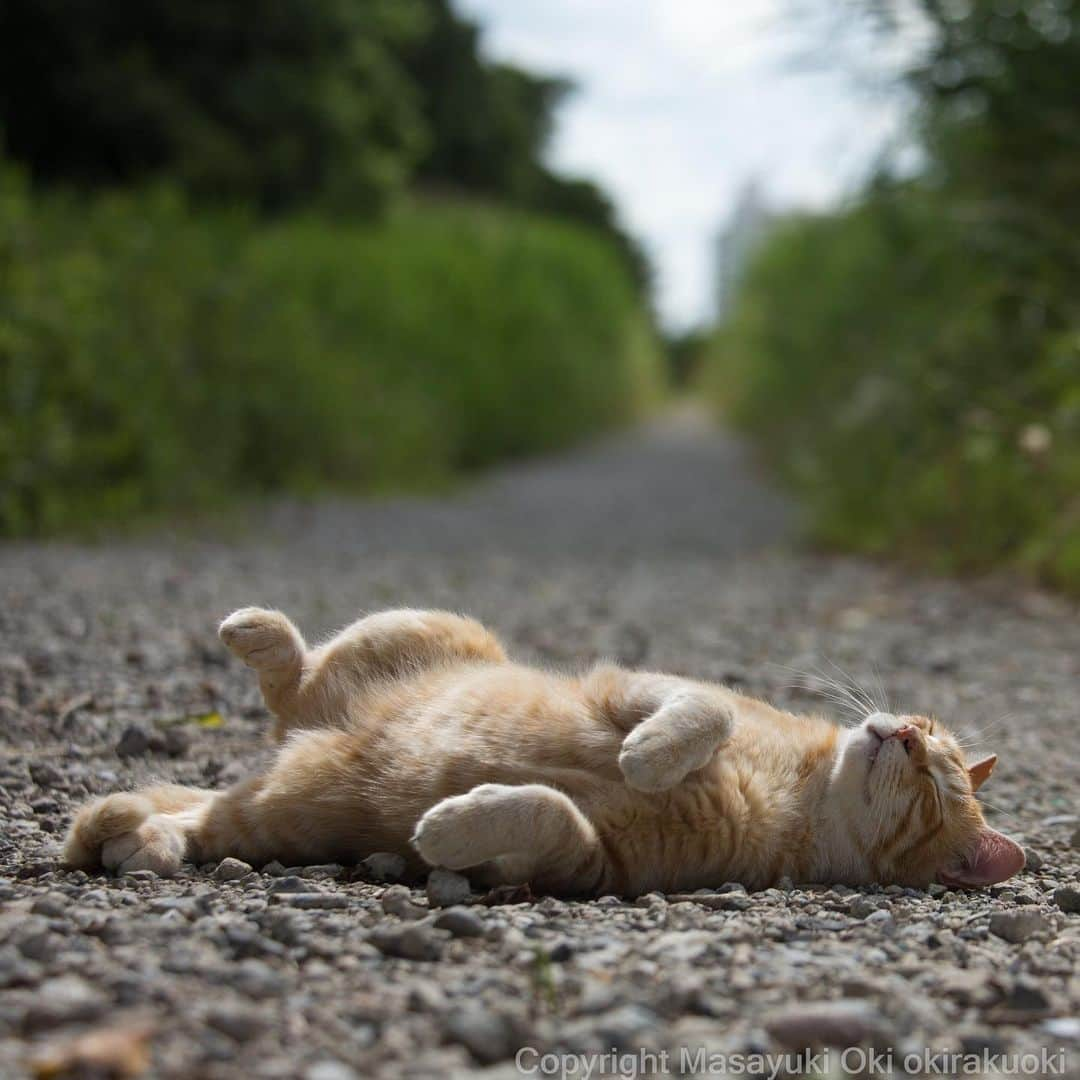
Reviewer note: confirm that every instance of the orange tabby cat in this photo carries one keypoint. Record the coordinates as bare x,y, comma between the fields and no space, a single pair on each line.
411,732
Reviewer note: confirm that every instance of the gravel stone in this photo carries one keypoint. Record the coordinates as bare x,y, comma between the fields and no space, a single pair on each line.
1017,926
1065,1027
460,921
1068,899
139,875
384,866
56,906
1023,1000
881,920
330,1070
445,888
134,742
67,999
312,900
231,870
398,900
239,1024
177,741
290,883
322,872
410,942
862,907
47,775
831,1023
490,1036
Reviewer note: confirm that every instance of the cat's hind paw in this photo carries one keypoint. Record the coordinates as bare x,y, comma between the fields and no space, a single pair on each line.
122,832
464,830
158,844
263,639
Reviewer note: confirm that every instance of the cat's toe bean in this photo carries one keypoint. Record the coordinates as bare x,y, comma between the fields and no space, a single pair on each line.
442,840
119,848
260,638
650,762
156,845
646,774
465,830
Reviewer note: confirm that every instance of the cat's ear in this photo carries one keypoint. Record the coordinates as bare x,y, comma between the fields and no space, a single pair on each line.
981,770
993,858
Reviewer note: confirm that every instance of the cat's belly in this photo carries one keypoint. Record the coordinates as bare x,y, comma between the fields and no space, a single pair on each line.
695,836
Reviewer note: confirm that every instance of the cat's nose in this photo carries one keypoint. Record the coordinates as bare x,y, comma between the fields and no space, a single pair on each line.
908,736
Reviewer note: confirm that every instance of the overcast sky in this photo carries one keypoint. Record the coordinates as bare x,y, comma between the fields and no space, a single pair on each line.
680,103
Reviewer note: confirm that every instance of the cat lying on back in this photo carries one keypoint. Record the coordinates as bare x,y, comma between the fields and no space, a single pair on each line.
411,732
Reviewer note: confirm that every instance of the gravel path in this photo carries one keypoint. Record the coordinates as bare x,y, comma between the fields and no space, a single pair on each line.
659,548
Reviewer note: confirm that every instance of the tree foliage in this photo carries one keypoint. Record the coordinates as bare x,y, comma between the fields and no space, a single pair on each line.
279,101
912,362
159,356
340,104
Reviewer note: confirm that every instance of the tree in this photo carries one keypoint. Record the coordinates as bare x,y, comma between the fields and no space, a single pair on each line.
489,126
282,101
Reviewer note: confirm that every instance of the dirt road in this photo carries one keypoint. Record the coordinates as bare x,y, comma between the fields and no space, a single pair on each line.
661,548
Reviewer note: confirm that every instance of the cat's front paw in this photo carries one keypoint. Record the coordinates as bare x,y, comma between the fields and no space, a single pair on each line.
262,638
655,760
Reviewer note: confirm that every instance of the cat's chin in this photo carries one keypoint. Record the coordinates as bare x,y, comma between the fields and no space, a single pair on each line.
862,749
874,742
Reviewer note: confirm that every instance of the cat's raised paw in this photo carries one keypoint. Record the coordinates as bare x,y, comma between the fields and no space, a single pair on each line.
654,760
262,638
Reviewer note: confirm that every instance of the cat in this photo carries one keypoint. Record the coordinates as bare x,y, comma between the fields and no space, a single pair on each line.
411,732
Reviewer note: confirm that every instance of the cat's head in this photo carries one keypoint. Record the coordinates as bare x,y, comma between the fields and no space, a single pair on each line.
909,801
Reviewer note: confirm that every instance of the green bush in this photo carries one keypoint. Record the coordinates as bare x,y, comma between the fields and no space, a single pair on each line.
152,358
908,389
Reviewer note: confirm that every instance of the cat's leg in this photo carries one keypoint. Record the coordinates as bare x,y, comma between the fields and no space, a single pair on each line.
674,725
309,807
307,689
268,642
392,643
530,832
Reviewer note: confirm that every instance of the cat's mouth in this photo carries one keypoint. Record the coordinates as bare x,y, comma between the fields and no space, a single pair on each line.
874,745
877,740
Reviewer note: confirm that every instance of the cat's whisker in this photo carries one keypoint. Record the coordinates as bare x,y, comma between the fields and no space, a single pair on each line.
997,809
827,687
855,687
846,712
841,693
852,691
882,693
973,737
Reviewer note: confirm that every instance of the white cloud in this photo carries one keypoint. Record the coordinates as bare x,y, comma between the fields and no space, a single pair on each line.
680,103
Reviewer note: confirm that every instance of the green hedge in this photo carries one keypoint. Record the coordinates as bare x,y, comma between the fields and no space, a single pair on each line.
154,358
909,387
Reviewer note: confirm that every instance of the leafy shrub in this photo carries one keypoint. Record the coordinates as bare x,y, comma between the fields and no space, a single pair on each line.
904,384
152,358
